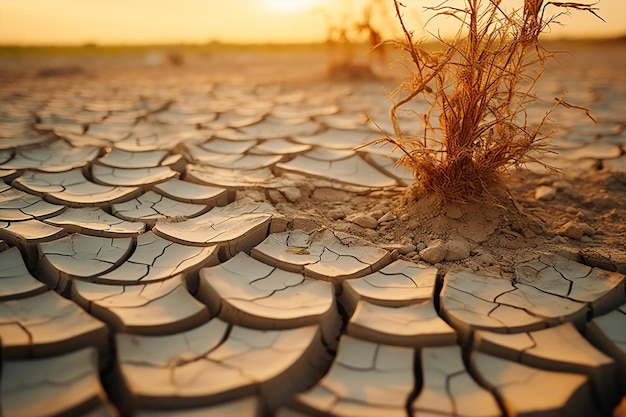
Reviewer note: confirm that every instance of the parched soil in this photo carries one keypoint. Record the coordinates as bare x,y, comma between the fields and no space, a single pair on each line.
501,231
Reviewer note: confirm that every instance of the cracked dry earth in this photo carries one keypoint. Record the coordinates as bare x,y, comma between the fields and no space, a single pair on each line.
185,242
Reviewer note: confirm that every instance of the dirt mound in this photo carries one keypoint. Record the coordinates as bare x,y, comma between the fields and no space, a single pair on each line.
490,235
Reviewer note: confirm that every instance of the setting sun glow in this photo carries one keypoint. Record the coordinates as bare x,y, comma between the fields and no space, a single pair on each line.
71,22
290,6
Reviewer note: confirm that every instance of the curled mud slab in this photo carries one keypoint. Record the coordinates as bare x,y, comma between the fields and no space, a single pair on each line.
188,242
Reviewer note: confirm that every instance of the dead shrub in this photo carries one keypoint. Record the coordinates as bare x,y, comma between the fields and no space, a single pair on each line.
478,86
345,39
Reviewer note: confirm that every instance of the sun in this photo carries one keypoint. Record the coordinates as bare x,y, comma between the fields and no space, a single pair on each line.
289,5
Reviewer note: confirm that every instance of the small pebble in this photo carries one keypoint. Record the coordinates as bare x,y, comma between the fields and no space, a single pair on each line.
387,217
292,194
587,230
457,250
562,185
336,214
434,253
545,193
377,214
404,217
275,197
573,230
363,220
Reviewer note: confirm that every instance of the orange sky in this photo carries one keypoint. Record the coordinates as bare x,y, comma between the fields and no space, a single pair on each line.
197,21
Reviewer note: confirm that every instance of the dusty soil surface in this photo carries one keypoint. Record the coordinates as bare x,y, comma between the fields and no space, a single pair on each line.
500,232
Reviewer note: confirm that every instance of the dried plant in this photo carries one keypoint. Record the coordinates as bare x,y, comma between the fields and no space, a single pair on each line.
343,41
478,87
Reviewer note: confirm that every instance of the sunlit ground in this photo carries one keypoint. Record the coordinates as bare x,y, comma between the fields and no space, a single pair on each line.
235,95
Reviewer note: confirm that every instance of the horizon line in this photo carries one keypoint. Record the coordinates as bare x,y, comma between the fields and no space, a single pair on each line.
93,44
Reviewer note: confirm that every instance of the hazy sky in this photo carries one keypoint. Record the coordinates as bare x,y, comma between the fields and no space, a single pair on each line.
174,21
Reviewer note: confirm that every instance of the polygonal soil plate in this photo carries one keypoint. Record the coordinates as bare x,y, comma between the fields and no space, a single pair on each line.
81,257
216,148
279,147
559,348
157,259
56,157
161,139
400,283
352,170
303,110
548,291
232,120
96,222
602,290
245,162
15,280
235,227
131,177
47,324
23,140
175,118
253,294
607,333
27,234
233,178
325,255
151,207
523,388
17,206
338,139
413,325
448,389
345,121
73,189
366,379
68,384
189,192
215,363
274,128
151,309
119,158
